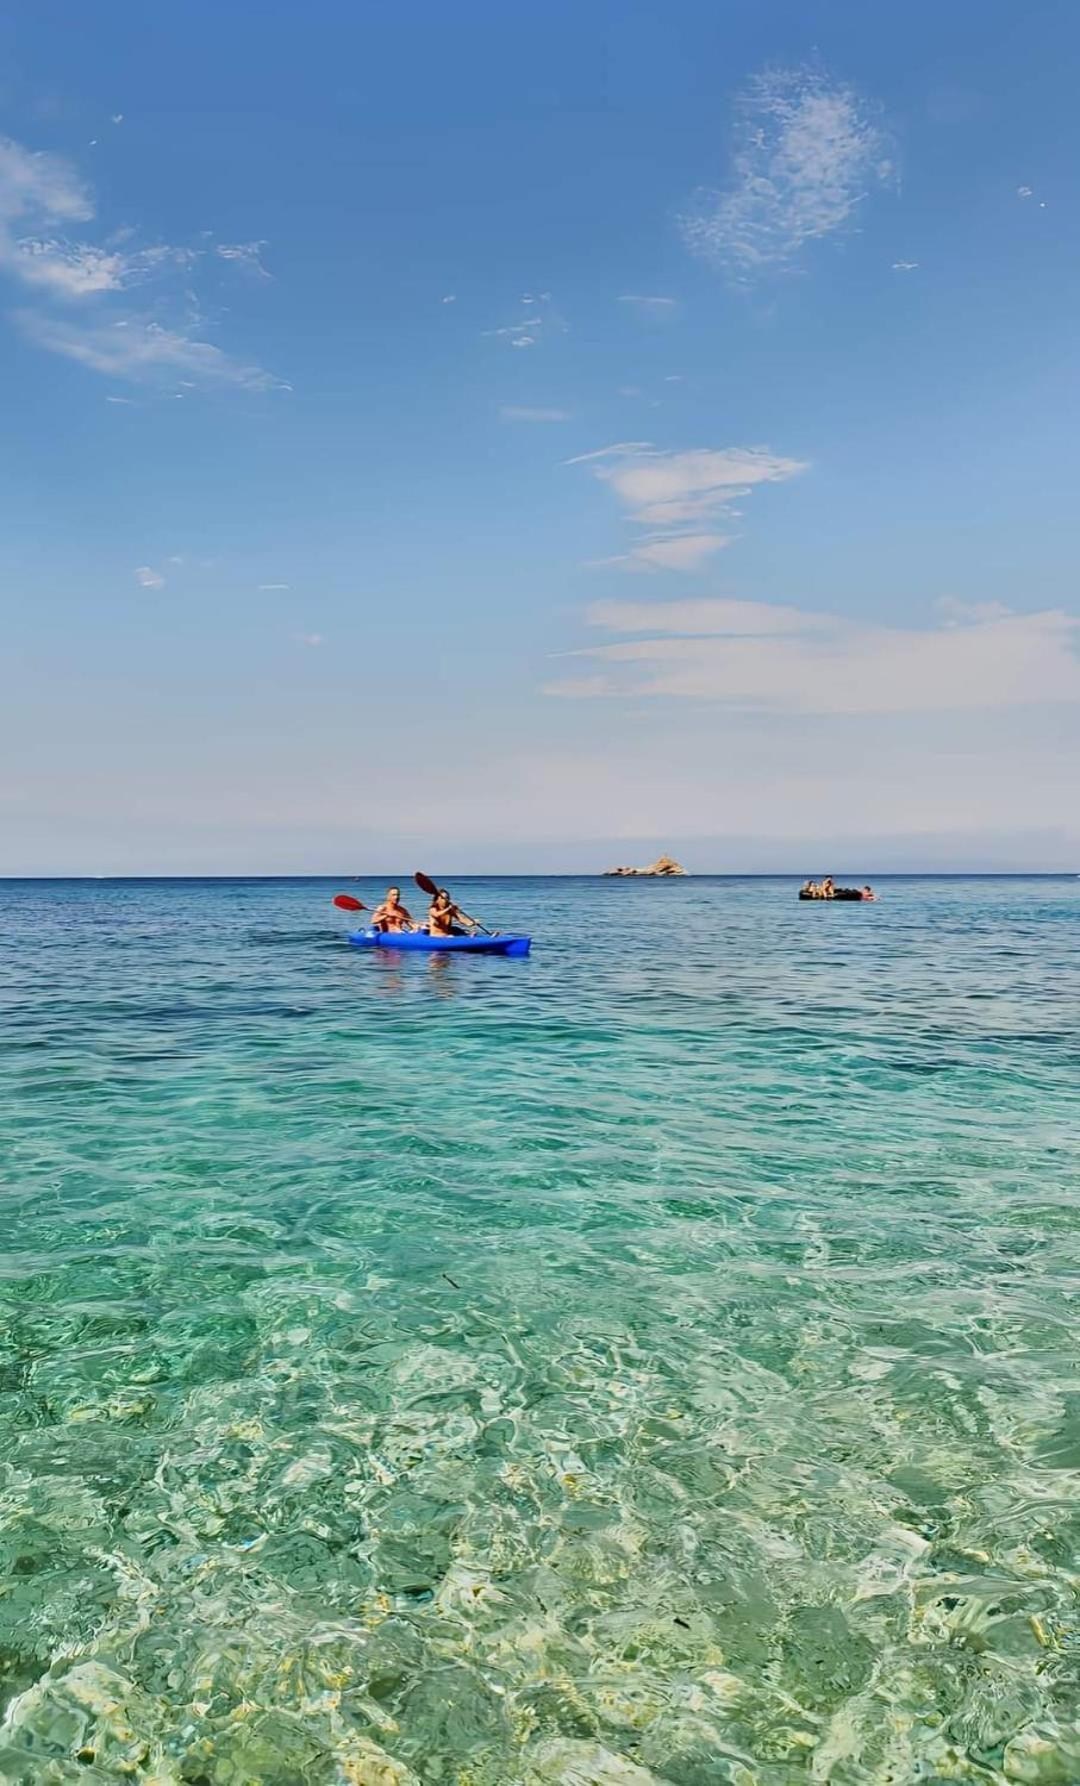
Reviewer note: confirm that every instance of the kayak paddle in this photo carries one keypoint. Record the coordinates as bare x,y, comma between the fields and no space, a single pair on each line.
348,903
428,886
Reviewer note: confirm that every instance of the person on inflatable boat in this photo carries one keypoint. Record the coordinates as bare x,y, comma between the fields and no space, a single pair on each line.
391,914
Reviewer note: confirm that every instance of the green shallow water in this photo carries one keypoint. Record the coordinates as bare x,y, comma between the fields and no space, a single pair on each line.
653,1361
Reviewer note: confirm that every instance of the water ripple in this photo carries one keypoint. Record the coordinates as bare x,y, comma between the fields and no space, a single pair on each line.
653,1361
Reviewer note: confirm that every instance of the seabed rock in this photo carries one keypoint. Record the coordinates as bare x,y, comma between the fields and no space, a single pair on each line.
565,1762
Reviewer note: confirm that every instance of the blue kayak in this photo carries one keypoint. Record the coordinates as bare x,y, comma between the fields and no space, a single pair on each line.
419,939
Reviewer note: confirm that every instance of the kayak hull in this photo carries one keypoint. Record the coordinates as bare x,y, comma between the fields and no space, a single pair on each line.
420,941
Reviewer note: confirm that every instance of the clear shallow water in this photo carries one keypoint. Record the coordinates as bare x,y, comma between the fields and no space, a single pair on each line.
651,1361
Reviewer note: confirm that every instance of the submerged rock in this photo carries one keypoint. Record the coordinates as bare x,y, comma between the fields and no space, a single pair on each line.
662,867
89,1714
568,1763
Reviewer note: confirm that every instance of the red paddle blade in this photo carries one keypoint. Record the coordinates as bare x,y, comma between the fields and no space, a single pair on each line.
348,903
425,883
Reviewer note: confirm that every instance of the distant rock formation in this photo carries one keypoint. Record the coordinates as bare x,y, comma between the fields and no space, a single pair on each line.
664,867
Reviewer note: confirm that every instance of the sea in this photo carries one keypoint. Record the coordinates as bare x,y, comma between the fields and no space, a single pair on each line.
656,1360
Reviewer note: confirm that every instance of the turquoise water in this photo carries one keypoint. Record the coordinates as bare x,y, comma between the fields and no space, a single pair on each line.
653,1361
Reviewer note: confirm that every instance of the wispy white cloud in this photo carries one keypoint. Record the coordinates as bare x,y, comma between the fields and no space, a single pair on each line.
79,270
273,586
450,298
70,270
669,551
131,347
786,660
904,266
540,319
807,149
1025,192
680,496
517,334
657,307
311,639
244,254
34,183
622,449
148,578
41,193
515,412
717,616
668,487
41,197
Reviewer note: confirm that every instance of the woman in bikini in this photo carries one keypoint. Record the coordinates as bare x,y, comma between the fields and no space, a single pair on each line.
447,919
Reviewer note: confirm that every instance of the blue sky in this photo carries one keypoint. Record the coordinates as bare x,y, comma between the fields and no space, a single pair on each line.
515,441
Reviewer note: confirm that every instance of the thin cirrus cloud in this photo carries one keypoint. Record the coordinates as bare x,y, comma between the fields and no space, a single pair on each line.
78,283
525,333
807,150
516,334
148,578
247,255
69,270
143,351
522,412
42,194
756,655
73,270
680,496
536,323
646,306
712,616
670,551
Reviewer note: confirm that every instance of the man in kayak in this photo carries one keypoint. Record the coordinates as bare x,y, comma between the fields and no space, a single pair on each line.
447,919
391,914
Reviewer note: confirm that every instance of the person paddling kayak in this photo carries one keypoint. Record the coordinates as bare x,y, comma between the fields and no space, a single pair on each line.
391,914
443,915
447,919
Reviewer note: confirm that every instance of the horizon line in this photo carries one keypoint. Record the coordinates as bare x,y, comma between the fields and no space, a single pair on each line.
569,874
